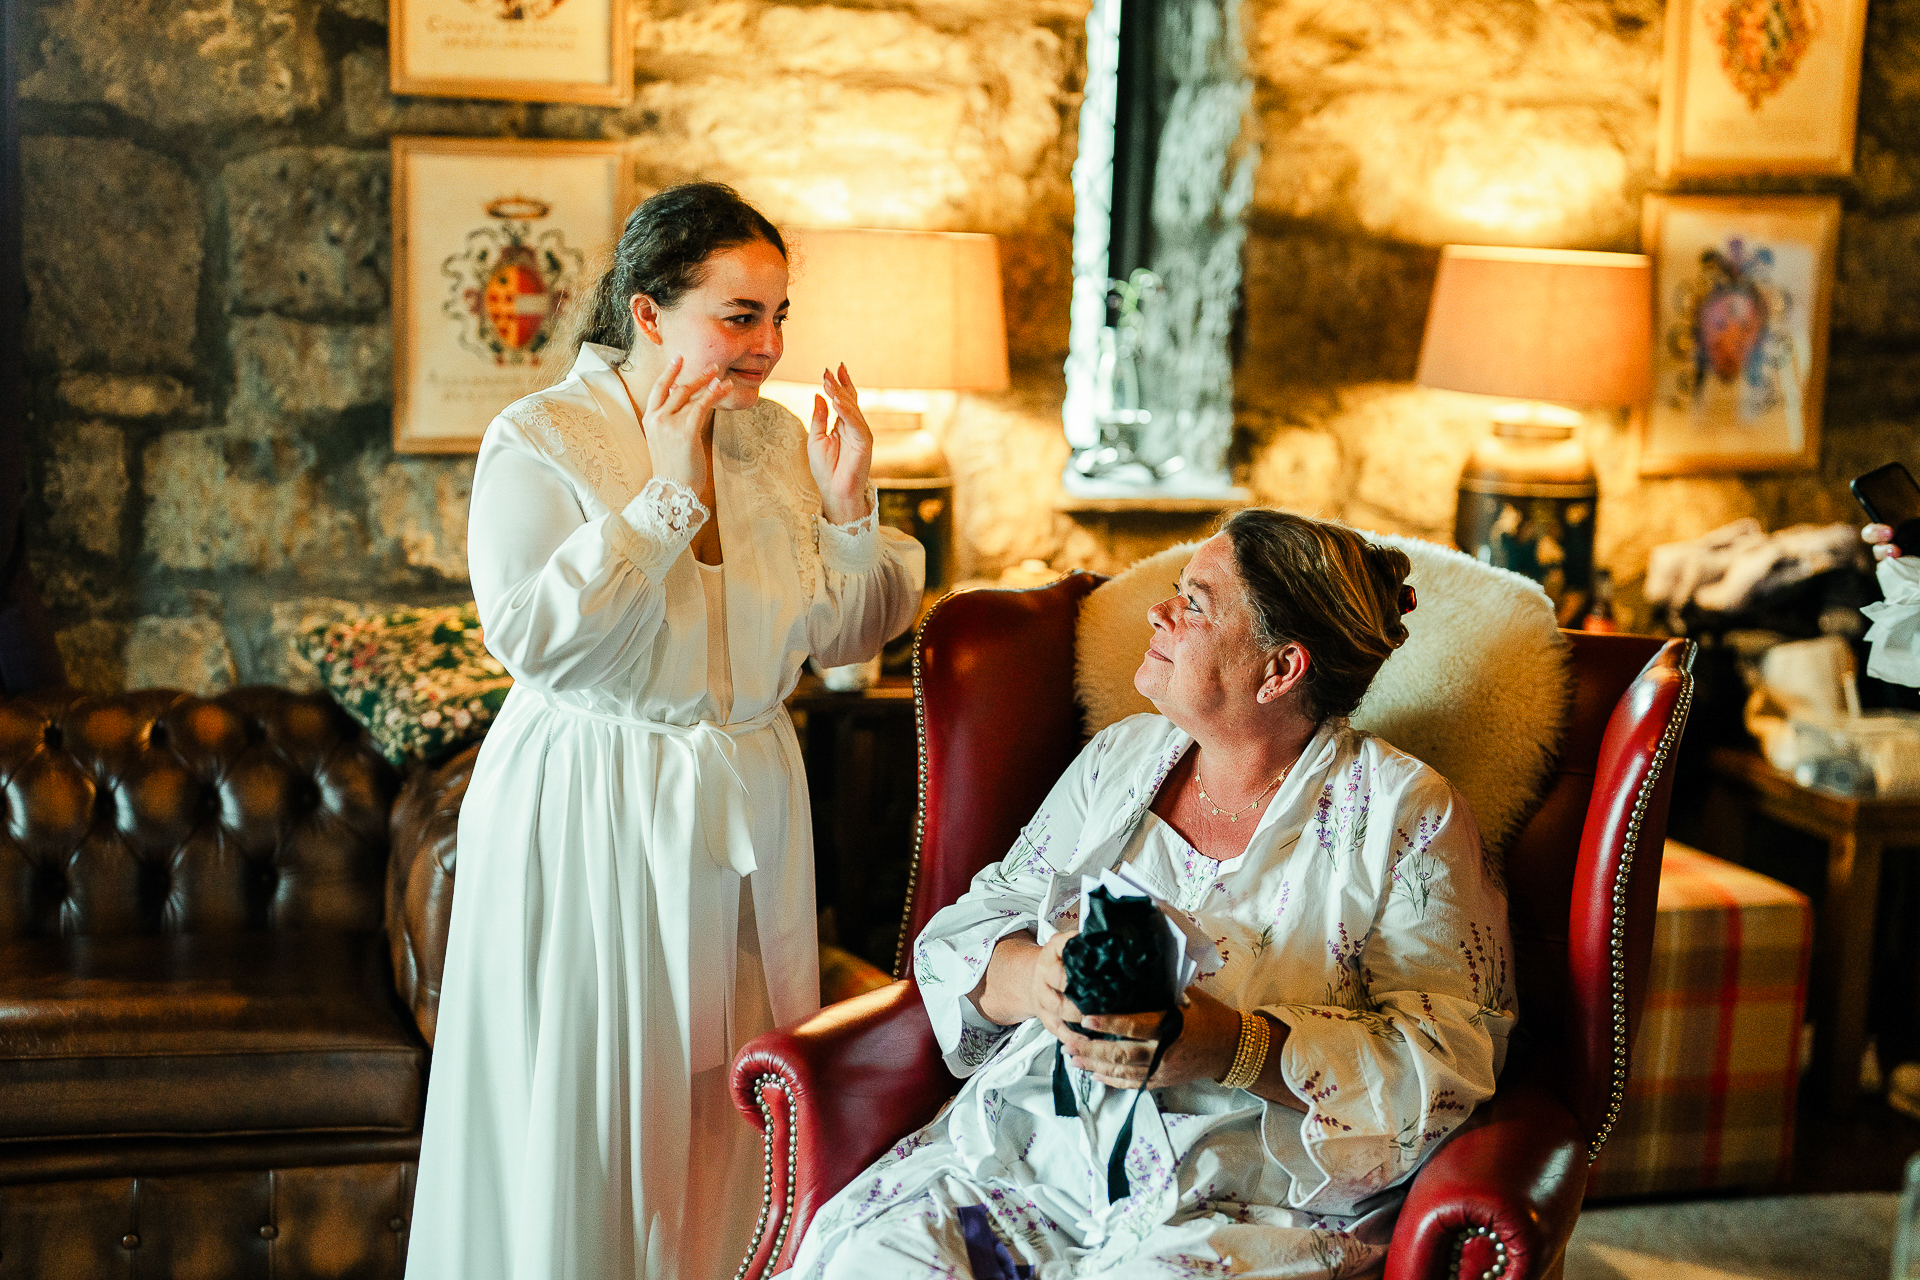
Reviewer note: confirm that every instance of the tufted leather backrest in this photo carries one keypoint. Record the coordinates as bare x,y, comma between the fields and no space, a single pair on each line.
998,724
157,812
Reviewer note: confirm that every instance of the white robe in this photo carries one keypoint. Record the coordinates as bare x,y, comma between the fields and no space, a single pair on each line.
1361,915
598,978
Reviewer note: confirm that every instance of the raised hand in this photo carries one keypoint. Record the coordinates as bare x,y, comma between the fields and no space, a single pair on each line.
1881,536
841,458
679,423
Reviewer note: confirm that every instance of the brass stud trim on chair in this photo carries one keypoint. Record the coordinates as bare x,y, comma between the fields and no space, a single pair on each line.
1499,1267
1617,937
920,804
1460,1248
760,1085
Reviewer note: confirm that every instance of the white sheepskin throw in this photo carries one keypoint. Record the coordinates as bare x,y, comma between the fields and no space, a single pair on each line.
1479,690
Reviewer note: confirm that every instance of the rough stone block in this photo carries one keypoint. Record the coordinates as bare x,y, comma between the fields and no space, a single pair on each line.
171,63
373,112
86,486
234,502
283,367
362,10
179,653
1408,446
112,239
110,395
1887,172
94,654
1550,51
827,40
1877,291
1892,55
1296,468
1036,277
819,151
1325,309
1462,168
419,509
309,229
1006,453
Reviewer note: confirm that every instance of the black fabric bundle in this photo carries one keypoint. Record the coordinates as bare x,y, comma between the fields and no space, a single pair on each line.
1121,961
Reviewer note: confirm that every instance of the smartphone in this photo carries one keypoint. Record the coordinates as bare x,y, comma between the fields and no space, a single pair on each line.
1889,496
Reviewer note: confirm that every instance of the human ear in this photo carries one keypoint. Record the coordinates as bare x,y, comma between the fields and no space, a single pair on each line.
1286,668
646,319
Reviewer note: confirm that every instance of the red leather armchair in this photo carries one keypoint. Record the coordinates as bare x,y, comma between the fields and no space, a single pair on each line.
993,675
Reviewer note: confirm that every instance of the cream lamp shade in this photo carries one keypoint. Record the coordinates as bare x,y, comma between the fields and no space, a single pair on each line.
1559,325
903,309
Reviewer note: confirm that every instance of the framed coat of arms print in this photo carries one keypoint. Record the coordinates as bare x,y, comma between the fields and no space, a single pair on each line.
492,238
521,50
1760,86
1742,287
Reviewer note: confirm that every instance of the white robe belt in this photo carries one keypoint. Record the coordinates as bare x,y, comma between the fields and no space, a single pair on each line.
722,800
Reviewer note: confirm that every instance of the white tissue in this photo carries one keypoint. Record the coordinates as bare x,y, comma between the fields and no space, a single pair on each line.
1895,634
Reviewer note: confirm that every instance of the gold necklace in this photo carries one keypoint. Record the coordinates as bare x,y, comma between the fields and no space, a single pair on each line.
1234,815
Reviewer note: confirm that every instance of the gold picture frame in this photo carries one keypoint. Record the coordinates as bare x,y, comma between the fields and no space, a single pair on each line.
578,51
1760,87
1742,288
491,238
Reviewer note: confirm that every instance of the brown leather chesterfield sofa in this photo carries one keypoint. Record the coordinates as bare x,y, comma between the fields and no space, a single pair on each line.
221,923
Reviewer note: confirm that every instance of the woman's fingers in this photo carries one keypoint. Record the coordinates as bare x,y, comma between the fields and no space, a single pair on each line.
1134,1026
682,394
817,428
663,385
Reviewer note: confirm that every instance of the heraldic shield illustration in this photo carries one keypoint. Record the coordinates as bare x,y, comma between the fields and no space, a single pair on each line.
1762,42
509,282
1733,329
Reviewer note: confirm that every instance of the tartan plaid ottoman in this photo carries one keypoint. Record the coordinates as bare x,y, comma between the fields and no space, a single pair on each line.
1715,1068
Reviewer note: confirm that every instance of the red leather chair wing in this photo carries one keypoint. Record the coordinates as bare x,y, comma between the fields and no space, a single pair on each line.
993,675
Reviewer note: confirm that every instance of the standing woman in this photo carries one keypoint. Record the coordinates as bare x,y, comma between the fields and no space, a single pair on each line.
655,550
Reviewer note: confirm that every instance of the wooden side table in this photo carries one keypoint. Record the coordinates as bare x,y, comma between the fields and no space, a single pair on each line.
1857,833
863,776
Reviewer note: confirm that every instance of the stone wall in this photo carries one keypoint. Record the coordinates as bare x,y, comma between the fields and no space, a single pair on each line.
1387,128
208,245
208,259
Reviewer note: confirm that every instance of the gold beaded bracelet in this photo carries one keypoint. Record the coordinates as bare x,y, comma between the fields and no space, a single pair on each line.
1250,1055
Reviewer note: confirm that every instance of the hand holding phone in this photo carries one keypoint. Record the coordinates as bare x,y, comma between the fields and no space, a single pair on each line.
1890,497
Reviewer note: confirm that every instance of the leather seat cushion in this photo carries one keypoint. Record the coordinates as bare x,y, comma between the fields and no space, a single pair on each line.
203,1034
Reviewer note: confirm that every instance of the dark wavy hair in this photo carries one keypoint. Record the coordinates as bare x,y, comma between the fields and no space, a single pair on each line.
663,250
1324,586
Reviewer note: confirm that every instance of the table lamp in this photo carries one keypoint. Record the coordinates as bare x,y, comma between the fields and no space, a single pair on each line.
906,310
1545,329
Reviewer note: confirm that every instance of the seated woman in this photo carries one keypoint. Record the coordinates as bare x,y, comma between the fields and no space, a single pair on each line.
1362,1003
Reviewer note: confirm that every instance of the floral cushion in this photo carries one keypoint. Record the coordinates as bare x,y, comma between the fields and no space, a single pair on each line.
420,680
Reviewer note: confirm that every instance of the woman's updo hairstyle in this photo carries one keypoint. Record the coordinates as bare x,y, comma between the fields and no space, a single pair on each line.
662,250
1323,586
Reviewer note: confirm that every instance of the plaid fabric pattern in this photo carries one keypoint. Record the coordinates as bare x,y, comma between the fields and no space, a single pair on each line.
1710,1102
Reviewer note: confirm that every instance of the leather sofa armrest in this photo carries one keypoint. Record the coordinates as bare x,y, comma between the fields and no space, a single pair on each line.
423,835
831,1094
1505,1189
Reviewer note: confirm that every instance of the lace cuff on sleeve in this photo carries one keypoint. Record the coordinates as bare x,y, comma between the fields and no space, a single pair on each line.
851,548
657,525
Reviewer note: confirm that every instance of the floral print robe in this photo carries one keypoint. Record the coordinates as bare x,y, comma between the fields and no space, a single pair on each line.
1362,915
